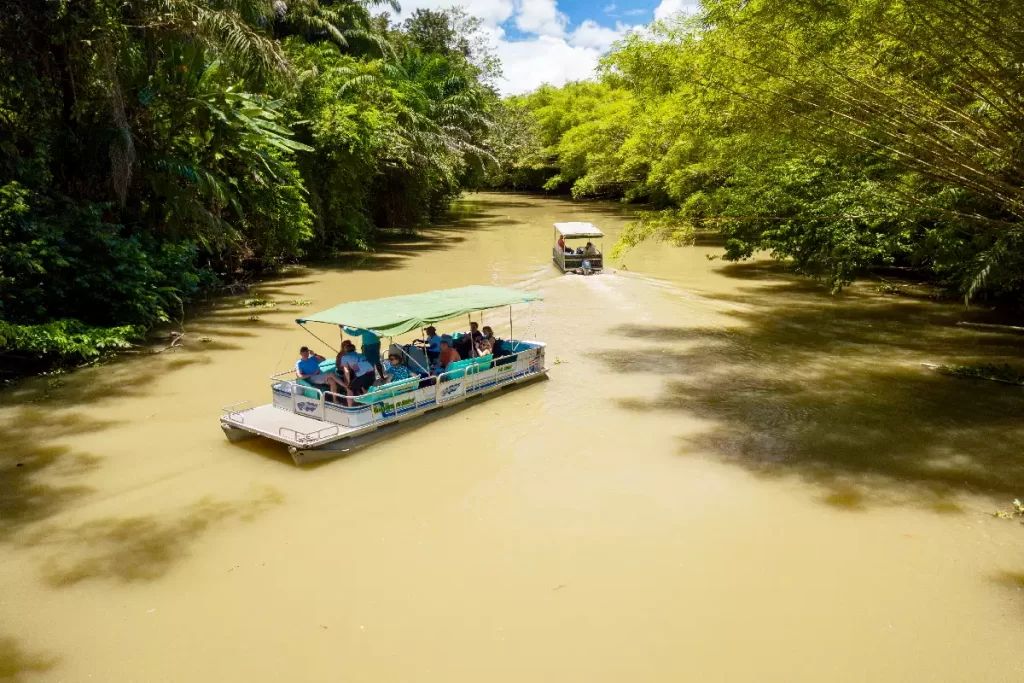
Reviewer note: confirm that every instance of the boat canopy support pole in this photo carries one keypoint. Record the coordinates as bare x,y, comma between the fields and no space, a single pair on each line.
303,326
511,337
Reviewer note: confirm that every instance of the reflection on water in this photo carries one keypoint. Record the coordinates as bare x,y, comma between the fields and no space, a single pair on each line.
730,475
796,382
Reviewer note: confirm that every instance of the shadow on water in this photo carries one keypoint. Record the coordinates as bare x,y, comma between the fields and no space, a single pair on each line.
37,475
141,548
832,390
17,664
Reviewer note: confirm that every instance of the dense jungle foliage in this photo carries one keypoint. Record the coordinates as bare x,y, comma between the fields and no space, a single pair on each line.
844,135
148,148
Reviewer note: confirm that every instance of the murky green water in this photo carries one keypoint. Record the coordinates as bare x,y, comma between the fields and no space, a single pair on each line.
729,476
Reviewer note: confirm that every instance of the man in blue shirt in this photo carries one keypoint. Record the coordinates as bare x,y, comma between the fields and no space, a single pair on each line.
432,344
308,368
371,346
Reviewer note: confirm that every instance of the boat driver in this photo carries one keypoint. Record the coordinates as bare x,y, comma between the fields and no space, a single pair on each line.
433,344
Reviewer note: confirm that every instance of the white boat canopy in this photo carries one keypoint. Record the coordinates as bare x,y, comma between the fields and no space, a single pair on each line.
578,230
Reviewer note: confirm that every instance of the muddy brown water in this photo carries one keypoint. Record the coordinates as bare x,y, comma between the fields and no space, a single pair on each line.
730,475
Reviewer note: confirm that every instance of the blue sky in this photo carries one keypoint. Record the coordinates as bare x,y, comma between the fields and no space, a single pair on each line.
554,41
608,14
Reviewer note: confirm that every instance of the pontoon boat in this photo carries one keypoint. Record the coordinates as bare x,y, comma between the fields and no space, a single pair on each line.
318,425
569,260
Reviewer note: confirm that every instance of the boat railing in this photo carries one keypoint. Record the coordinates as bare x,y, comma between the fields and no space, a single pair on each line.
567,261
309,437
233,412
448,387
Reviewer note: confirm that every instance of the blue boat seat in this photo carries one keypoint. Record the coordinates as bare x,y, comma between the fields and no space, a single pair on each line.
470,366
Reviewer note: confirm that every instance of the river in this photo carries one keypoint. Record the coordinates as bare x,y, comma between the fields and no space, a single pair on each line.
730,475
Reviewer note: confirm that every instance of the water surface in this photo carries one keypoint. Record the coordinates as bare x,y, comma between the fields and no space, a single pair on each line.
729,476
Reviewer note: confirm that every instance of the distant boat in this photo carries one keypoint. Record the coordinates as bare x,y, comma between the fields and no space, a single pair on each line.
317,425
575,260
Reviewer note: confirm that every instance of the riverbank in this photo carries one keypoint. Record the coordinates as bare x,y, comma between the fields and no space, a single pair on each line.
731,474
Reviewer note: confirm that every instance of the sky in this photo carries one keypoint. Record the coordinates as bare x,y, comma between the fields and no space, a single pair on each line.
554,41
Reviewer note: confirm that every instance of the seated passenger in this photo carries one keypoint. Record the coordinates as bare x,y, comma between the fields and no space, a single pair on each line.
501,355
308,368
561,245
590,251
448,354
358,373
371,346
398,372
483,347
474,332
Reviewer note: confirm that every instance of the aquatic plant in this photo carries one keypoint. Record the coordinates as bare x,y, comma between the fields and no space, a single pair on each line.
259,302
1016,509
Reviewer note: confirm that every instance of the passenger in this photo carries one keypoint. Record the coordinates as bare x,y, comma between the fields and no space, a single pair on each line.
561,245
488,333
474,332
357,372
397,371
499,352
590,251
432,344
483,347
308,368
370,346
448,354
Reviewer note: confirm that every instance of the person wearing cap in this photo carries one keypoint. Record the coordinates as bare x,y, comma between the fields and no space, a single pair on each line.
371,346
308,368
433,344
448,354
357,372
590,251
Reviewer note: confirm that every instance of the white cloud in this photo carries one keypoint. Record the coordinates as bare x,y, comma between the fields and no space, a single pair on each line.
608,9
492,12
540,17
669,8
592,34
549,53
529,64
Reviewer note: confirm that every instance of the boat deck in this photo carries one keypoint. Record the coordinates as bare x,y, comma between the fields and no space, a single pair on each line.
287,427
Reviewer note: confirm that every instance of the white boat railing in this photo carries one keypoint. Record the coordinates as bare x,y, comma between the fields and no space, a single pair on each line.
448,388
309,437
236,415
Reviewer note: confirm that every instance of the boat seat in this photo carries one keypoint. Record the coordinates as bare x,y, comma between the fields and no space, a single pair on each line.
470,366
390,390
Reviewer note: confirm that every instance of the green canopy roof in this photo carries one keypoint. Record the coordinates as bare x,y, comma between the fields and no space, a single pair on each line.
400,314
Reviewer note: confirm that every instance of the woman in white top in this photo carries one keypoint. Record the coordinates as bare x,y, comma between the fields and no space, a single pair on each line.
356,370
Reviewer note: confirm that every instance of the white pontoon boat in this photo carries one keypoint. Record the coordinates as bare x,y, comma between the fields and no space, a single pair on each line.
317,425
575,260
